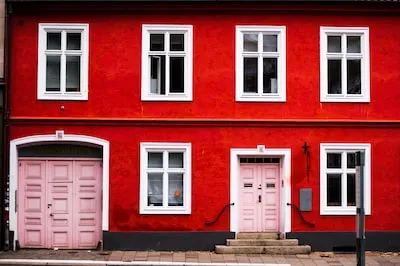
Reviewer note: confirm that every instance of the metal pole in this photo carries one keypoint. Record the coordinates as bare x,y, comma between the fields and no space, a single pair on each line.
360,243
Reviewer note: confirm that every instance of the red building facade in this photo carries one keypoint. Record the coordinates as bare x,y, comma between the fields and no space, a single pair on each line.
181,102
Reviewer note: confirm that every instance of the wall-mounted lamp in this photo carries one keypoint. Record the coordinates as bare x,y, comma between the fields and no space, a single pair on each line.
306,150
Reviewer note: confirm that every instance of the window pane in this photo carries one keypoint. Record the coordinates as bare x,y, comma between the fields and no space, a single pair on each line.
250,42
354,76
156,42
175,160
353,44
73,72
351,190
270,43
334,190
155,189
155,160
54,40
270,75
73,41
334,160
176,74
157,74
177,42
334,44
250,75
175,189
334,77
53,73
351,160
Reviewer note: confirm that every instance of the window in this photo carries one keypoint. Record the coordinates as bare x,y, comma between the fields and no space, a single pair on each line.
63,62
167,63
165,178
338,178
260,64
344,64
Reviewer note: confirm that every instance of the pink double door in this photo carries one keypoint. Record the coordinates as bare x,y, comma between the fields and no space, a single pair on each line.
259,198
59,203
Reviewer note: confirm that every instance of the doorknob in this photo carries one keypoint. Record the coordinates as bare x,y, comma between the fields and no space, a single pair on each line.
51,215
259,198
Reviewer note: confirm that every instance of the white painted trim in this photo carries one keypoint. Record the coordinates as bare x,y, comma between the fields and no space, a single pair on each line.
187,30
280,55
68,138
41,82
138,263
341,147
186,148
285,172
363,32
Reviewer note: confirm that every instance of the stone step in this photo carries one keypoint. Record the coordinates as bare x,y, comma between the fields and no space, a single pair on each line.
260,236
262,242
281,250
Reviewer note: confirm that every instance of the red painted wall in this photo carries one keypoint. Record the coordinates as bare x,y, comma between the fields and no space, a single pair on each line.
114,66
210,172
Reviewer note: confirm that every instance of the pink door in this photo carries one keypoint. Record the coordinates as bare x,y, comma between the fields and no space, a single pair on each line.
59,203
259,197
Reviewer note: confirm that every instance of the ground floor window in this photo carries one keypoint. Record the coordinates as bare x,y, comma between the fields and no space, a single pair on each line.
165,178
338,178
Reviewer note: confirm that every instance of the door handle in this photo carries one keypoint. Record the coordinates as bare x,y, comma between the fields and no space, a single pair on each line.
51,215
259,198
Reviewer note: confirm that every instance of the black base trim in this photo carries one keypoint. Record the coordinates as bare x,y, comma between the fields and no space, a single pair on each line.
346,241
165,241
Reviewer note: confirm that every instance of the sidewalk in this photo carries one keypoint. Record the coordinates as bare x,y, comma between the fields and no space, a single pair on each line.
194,258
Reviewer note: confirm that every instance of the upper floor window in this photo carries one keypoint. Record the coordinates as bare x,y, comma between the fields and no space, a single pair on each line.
165,178
167,62
344,64
63,61
261,63
338,178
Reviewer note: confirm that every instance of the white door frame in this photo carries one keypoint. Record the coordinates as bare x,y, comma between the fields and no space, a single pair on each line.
285,176
59,137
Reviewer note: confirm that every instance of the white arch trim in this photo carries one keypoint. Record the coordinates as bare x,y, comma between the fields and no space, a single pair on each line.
58,138
285,167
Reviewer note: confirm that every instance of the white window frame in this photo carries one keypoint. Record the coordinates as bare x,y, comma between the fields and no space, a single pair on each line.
42,94
187,30
186,148
347,147
280,96
363,32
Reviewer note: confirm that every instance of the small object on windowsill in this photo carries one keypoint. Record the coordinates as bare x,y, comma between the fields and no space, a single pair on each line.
178,193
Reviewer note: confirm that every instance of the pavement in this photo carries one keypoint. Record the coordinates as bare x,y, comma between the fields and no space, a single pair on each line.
193,258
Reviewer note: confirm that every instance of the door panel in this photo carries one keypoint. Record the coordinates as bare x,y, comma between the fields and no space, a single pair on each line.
259,198
87,204
59,203
31,203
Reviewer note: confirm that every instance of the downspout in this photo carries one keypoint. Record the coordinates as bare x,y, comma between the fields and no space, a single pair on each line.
8,237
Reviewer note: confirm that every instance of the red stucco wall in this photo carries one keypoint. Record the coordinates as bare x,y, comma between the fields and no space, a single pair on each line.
210,172
114,66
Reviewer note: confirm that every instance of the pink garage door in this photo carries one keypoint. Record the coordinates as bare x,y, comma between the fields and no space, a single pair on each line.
59,203
259,198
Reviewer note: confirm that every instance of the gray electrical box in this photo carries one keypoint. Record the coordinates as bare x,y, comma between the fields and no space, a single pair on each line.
305,199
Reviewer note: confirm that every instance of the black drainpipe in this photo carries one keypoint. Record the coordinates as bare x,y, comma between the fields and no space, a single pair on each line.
7,237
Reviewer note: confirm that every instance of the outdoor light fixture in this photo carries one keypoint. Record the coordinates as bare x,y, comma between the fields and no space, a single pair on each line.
307,153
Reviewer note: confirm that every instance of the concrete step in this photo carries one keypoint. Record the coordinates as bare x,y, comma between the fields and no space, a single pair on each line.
281,250
260,236
262,242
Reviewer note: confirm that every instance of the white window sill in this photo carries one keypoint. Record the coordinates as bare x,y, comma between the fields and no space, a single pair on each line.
345,99
263,98
61,97
169,98
165,211
341,211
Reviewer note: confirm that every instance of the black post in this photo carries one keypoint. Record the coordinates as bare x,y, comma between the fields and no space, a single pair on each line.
360,233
